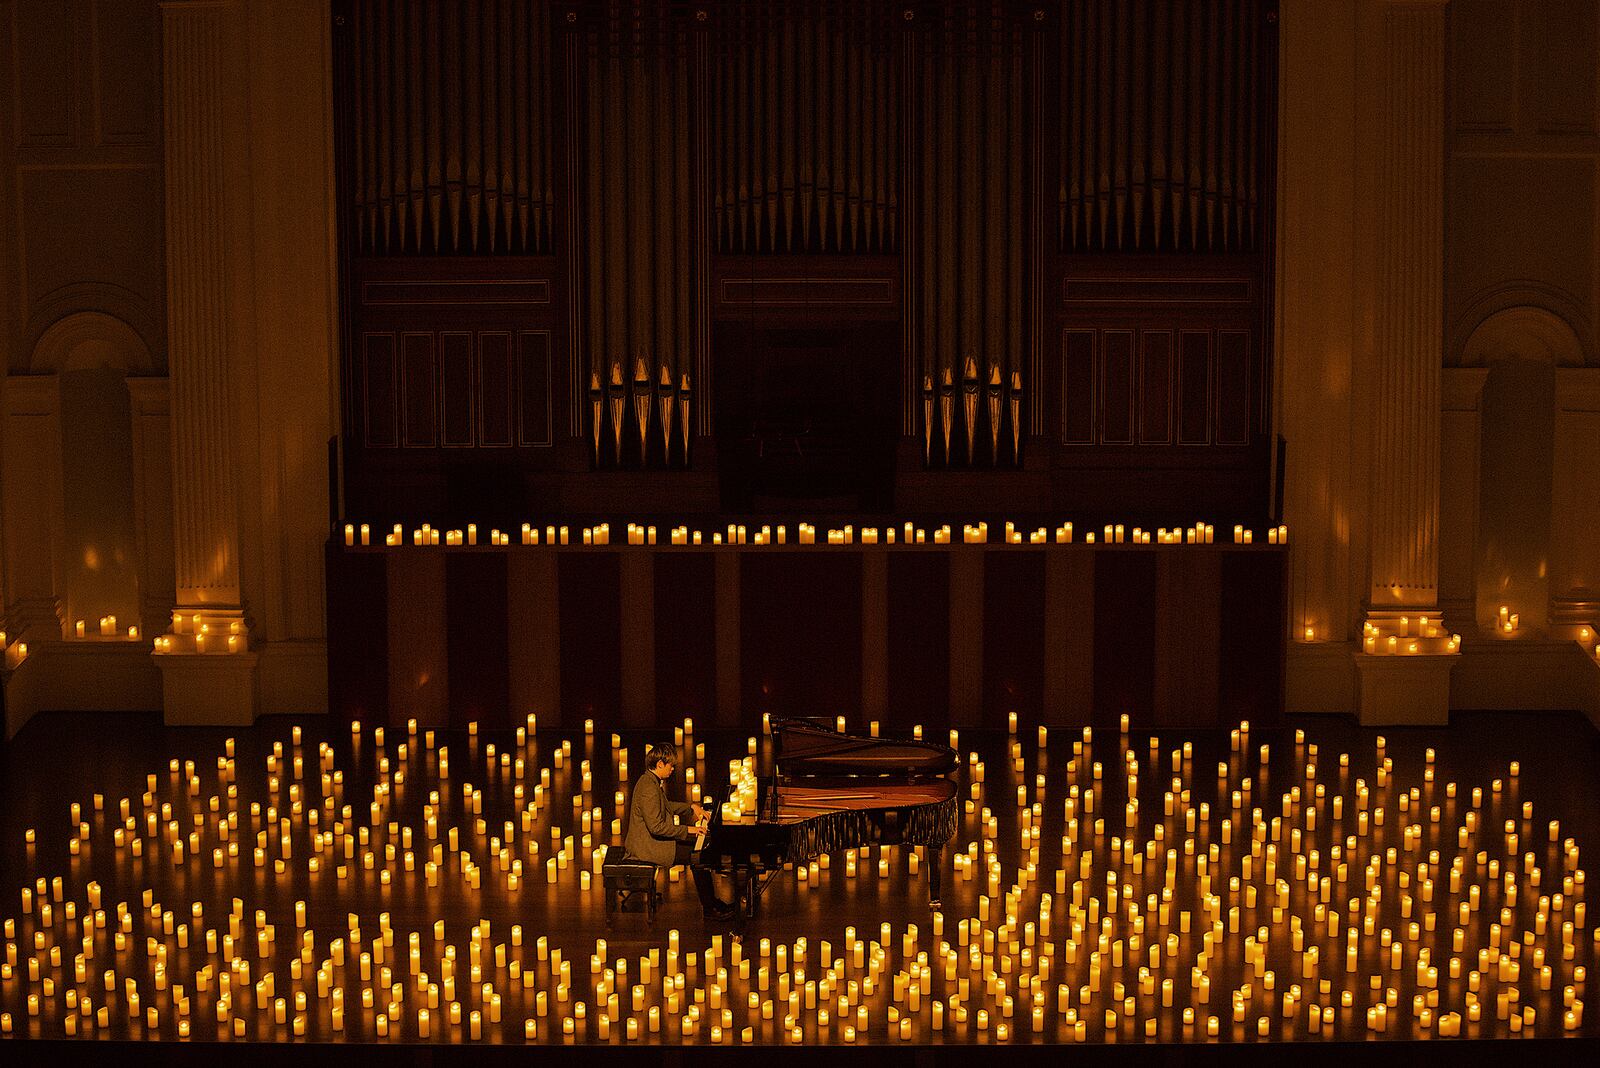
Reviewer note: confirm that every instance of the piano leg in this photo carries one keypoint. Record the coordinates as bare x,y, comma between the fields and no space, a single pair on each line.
704,887
933,856
744,894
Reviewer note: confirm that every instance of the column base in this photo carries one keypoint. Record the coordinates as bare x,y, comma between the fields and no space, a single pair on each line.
1576,620
1403,690
208,689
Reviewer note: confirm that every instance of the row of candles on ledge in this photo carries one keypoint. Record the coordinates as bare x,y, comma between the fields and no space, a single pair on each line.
191,634
740,534
108,629
1409,636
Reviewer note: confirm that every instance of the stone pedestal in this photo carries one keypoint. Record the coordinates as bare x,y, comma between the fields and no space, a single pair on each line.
1404,690
212,689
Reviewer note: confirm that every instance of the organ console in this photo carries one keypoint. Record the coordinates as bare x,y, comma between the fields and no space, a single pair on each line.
830,791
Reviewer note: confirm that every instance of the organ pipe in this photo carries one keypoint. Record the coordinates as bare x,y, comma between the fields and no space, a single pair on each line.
805,110
637,200
1161,125
972,204
450,147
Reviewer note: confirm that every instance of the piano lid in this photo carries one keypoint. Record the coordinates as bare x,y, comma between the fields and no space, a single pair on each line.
803,747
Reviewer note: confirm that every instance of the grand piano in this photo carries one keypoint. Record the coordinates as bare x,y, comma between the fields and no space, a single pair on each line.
830,791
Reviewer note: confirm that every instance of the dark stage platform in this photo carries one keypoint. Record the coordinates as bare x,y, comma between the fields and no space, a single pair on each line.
432,898
1185,635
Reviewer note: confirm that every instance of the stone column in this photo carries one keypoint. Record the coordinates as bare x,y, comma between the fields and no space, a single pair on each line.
1575,508
1406,361
208,672
34,510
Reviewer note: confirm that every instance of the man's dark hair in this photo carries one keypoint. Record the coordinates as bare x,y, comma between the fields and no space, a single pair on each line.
664,753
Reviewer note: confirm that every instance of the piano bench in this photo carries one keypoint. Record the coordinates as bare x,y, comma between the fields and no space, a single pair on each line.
623,877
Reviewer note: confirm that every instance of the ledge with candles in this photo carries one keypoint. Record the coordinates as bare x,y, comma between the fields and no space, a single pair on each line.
798,534
1187,620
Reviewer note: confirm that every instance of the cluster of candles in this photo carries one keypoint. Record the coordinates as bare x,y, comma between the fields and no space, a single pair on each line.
14,652
807,534
1408,636
190,633
108,629
1200,907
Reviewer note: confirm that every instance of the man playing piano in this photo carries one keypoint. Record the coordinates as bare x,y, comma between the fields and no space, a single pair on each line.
654,833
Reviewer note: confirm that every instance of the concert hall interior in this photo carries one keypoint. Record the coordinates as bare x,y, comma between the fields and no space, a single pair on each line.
1100,499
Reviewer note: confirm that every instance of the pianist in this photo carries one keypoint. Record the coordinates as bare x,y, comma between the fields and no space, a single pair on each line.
654,831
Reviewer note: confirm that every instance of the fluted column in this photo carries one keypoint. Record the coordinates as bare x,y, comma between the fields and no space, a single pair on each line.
207,669
1406,360
1409,277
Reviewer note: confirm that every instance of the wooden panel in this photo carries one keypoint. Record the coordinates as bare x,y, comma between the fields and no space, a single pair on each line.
379,414
1146,291
494,389
1013,636
800,634
421,390
458,402
1194,386
358,625
1069,636
127,81
45,71
808,291
919,638
1253,625
1077,387
1124,640
534,387
419,675
1116,387
1233,387
1564,44
1482,68
476,639
685,612
1187,598
591,635
533,644
637,603
411,293
1155,388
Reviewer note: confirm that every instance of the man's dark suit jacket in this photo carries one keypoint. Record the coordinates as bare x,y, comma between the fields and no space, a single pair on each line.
653,832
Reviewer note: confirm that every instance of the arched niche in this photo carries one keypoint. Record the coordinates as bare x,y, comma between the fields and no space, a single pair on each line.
1519,369
92,356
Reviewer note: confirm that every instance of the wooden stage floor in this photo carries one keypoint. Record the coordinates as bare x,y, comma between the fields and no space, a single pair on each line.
1246,909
